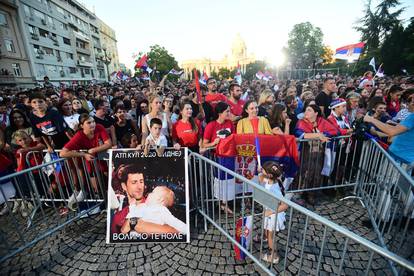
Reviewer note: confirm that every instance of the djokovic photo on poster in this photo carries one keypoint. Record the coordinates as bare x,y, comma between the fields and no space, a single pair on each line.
148,198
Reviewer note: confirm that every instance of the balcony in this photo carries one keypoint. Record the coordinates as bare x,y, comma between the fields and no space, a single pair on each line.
81,36
85,63
35,36
85,51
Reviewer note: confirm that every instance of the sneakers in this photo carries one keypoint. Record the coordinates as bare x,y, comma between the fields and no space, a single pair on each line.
80,197
16,206
268,258
72,200
76,197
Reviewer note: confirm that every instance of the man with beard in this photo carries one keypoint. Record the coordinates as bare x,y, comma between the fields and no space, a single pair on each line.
234,101
213,97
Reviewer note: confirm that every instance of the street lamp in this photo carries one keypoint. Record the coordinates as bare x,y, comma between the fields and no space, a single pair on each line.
107,60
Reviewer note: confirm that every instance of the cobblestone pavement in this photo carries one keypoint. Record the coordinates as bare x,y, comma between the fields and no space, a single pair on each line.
80,249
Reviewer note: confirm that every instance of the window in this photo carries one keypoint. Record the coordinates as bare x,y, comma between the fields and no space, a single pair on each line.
16,69
48,51
69,56
9,45
32,29
66,41
80,44
41,70
72,70
3,19
87,71
27,12
43,33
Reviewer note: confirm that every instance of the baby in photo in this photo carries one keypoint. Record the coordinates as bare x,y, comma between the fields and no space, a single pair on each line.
155,209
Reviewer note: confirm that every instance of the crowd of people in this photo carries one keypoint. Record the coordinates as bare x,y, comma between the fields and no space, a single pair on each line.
146,114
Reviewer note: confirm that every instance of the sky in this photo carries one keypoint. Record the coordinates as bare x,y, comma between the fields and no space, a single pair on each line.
191,29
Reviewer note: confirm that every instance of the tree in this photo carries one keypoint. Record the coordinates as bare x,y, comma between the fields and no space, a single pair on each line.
224,73
159,58
304,45
327,55
253,68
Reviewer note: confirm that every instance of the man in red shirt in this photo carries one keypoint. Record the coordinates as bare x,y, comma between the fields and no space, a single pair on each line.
236,104
213,97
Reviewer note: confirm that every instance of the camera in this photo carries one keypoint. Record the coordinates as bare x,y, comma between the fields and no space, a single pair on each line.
360,128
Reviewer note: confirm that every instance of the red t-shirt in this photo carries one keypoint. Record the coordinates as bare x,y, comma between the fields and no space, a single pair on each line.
212,129
81,142
214,99
184,134
236,108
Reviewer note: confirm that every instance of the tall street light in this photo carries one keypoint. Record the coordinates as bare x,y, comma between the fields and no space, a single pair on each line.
107,60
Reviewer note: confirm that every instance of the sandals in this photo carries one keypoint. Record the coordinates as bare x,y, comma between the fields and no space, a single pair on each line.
268,258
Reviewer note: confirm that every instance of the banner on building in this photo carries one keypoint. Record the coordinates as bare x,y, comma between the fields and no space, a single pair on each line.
148,197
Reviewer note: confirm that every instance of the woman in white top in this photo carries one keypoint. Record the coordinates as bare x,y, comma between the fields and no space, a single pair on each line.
71,118
155,111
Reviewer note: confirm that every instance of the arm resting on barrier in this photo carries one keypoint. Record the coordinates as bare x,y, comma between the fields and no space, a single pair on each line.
386,128
282,207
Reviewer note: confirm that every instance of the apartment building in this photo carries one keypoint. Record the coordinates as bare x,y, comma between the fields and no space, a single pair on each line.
62,40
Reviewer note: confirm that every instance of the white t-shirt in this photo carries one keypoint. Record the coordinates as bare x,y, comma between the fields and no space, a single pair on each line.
160,142
72,121
158,214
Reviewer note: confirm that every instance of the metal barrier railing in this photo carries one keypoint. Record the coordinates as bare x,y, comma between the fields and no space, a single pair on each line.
55,193
307,237
386,190
326,165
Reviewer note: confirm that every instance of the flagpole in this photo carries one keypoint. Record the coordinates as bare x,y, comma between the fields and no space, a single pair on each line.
352,73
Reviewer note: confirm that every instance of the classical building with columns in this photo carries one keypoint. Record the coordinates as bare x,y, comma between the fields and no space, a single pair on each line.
238,56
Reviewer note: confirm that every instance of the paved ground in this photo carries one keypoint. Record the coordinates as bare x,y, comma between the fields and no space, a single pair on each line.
80,249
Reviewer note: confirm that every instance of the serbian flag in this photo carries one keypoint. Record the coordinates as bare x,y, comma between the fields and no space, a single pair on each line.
260,75
142,62
238,76
175,72
349,52
238,153
380,72
203,78
197,85
243,236
268,75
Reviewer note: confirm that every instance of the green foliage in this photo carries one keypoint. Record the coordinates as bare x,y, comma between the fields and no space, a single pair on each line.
253,68
159,58
304,45
224,73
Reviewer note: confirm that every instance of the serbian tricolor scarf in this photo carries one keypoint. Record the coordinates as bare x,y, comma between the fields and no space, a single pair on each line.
243,236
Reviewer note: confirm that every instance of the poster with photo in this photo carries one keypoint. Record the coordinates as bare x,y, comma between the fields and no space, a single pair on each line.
148,197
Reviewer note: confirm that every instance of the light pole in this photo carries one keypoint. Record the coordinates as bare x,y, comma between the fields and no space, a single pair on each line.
107,60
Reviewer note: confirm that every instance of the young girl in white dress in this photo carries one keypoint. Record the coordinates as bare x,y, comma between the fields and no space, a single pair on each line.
270,175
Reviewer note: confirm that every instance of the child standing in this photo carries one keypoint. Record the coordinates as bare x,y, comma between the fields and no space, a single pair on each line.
155,139
274,221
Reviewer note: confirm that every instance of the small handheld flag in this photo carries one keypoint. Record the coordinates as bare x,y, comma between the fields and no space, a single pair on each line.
372,63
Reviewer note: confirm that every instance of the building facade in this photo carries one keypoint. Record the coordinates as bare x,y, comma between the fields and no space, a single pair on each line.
108,40
14,62
238,56
63,41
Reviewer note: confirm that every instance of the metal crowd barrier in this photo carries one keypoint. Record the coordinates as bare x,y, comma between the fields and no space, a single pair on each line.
307,243
326,165
386,190
54,193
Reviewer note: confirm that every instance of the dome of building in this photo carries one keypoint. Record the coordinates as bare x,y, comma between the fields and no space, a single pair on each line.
238,48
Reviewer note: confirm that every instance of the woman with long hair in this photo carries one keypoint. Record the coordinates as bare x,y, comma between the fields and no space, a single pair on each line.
18,121
77,106
251,122
187,132
155,111
93,139
279,120
266,100
318,130
65,108
392,100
